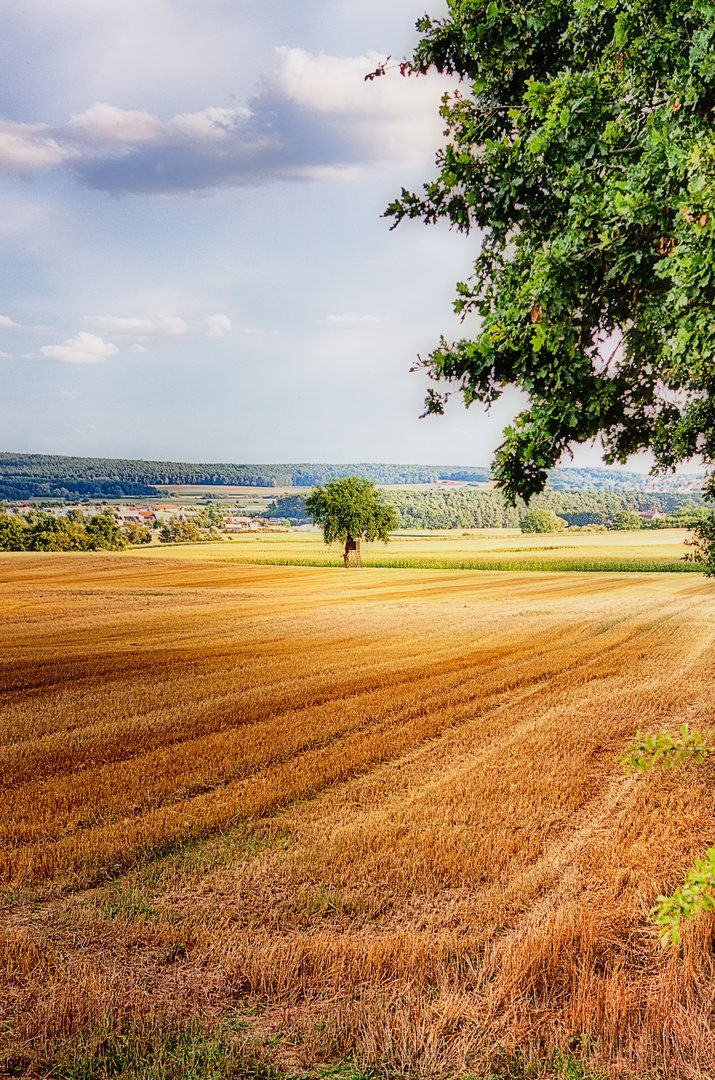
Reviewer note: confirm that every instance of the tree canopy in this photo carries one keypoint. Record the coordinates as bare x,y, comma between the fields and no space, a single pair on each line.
350,509
581,146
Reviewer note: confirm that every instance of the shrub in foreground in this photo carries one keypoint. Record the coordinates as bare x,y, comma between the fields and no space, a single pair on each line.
697,893
702,545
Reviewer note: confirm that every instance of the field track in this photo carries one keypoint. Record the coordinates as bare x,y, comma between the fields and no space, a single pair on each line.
383,804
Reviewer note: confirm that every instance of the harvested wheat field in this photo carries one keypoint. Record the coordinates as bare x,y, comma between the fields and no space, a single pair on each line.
259,820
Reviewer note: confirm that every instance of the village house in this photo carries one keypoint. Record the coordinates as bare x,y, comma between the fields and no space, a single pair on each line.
167,511
234,523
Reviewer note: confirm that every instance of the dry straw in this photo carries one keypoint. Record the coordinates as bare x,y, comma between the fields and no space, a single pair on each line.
413,846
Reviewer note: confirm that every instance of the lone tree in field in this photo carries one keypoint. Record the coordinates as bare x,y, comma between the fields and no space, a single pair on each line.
581,146
351,510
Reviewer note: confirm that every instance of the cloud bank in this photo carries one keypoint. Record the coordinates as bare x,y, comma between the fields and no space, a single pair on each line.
89,348
351,320
315,118
6,323
25,147
83,349
166,326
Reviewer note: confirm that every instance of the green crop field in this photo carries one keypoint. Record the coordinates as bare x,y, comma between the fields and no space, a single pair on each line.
500,549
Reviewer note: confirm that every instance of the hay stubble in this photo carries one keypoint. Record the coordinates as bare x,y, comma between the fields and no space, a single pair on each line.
427,851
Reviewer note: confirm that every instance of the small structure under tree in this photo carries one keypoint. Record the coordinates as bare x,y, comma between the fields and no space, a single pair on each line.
353,556
350,510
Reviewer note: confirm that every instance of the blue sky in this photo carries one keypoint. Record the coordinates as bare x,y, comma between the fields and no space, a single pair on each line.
195,263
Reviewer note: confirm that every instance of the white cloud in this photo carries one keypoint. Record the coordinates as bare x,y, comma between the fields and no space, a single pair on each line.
352,319
168,326
105,123
218,326
108,123
395,117
71,394
83,349
327,173
137,348
328,83
27,146
6,356
161,326
213,123
6,323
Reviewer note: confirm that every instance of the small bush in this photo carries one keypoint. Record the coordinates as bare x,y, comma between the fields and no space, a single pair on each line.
648,750
697,894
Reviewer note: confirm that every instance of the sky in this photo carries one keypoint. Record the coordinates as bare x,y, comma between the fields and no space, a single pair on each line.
195,265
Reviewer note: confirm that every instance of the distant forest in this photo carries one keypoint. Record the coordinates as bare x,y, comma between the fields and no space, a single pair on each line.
465,509
28,476
487,509
36,476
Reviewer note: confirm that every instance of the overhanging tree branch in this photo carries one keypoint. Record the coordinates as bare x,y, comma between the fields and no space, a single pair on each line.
582,147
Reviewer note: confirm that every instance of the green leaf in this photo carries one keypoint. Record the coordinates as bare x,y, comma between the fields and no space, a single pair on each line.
620,34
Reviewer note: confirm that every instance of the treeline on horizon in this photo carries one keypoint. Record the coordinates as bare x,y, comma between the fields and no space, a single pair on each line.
27,476
465,509
38,476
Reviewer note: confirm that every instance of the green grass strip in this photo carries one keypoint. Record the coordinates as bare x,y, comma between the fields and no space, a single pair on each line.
600,566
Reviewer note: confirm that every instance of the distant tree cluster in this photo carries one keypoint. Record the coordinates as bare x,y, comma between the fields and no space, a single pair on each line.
627,521
22,490
453,510
136,534
186,532
466,509
291,507
543,521
45,533
208,517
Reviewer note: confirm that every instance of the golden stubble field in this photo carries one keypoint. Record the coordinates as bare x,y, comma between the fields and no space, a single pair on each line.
351,815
